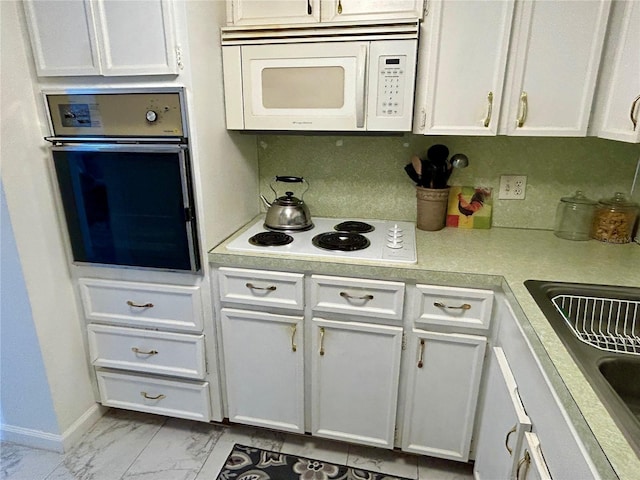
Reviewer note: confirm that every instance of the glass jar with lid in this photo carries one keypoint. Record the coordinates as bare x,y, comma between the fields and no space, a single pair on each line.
614,219
574,217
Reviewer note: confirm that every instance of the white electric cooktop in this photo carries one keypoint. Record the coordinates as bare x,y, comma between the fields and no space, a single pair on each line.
389,242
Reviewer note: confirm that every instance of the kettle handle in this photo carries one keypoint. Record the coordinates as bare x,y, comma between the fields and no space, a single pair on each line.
289,179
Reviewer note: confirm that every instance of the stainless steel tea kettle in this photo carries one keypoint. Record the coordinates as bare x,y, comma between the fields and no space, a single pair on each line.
287,213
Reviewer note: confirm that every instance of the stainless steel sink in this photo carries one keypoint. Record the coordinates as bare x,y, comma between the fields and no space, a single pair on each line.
600,326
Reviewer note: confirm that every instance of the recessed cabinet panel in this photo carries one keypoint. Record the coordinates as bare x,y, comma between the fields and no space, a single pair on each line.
355,375
264,363
443,381
454,307
261,288
351,296
189,400
145,305
147,351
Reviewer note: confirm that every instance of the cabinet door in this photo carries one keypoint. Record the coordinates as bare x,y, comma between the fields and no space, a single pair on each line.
63,37
263,357
531,463
442,391
462,64
621,117
556,55
359,10
136,37
503,423
355,372
265,12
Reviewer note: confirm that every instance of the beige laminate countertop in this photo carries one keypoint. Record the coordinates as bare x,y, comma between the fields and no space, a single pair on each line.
504,258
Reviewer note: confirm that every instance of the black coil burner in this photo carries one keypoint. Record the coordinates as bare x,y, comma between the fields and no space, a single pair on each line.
342,241
270,239
353,226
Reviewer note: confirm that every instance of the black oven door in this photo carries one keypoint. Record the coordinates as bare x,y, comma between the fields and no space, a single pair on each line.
129,205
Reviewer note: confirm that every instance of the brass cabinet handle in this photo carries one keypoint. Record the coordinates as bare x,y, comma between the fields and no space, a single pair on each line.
309,7
139,305
142,352
506,440
339,7
524,461
270,288
149,397
321,341
420,358
294,328
351,297
523,109
634,118
464,306
487,119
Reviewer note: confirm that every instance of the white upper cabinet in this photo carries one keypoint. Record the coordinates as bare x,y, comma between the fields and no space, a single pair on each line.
527,67
618,112
461,67
102,37
555,56
284,12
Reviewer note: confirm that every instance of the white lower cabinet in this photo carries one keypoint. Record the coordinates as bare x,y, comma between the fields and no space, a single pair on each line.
443,380
355,373
503,423
531,463
263,357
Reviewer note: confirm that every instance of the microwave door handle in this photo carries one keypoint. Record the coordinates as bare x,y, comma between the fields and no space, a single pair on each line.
361,78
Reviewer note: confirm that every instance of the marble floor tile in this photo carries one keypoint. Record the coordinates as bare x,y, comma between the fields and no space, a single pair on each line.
439,469
185,446
381,460
110,447
24,463
316,448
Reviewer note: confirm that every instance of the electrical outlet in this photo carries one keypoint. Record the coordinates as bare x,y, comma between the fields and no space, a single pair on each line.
512,187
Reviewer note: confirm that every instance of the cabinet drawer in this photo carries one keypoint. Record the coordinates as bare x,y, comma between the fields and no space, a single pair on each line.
351,296
164,397
261,288
142,305
148,351
450,306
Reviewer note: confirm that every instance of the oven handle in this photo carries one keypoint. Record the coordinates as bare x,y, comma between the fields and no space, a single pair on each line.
123,140
118,147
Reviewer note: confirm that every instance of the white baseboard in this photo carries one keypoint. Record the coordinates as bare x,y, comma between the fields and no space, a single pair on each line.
51,441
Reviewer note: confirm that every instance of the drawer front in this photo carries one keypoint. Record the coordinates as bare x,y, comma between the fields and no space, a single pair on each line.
164,397
147,351
261,288
352,296
142,305
451,306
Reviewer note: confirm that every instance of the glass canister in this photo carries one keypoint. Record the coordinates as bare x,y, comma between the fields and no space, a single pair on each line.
574,217
614,219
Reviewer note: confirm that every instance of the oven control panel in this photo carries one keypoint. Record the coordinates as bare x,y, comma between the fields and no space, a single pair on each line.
117,114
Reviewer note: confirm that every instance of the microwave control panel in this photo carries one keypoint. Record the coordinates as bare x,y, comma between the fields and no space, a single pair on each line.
391,85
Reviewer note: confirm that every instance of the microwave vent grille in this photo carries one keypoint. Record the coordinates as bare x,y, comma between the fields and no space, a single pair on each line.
326,32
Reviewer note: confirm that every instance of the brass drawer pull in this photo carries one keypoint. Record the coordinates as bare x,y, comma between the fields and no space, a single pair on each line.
294,328
487,119
321,341
149,397
523,110
464,306
270,288
137,305
506,440
524,461
420,359
141,352
634,118
351,297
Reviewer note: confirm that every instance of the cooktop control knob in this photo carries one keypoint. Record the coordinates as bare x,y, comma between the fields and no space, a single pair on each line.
151,116
394,237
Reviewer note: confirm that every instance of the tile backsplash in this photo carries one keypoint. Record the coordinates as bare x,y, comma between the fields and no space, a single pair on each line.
364,177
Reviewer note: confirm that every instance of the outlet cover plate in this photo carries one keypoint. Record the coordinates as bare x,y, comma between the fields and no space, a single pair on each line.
512,187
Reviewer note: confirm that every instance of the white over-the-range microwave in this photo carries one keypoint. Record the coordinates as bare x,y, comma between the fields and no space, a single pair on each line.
329,77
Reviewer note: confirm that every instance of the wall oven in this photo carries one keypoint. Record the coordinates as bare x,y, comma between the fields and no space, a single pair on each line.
122,165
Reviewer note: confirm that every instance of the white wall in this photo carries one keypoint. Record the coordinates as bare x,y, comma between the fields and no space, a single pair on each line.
30,199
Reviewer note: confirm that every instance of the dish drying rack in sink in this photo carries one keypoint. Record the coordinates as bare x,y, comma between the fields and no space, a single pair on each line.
605,323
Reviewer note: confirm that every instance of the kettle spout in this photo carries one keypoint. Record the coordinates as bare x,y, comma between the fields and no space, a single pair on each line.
266,202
